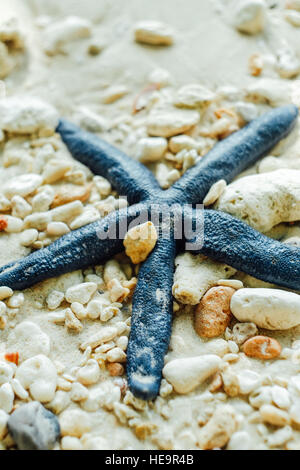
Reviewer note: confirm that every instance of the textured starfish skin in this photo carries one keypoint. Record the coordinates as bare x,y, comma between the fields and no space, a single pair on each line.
226,239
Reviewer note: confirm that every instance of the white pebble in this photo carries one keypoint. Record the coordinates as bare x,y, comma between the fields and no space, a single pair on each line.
281,397
14,224
151,149
89,374
38,374
5,292
167,123
102,336
16,300
55,170
108,313
79,310
187,373
249,16
272,309
248,381
116,355
81,293
20,207
6,397
54,299
75,423
66,212
57,229
28,237
122,342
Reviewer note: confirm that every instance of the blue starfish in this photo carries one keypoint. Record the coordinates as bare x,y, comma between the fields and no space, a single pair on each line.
226,239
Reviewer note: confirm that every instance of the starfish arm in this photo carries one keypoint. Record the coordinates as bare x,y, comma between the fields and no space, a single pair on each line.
235,153
151,321
87,246
231,241
129,177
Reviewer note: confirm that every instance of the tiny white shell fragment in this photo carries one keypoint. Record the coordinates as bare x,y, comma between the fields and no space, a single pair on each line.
249,16
153,33
215,192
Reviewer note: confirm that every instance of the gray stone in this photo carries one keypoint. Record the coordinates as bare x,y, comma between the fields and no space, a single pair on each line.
33,427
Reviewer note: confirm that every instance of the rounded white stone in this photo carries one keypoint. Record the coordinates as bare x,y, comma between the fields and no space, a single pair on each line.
187,373
28,237
272,309
38,374
89,374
